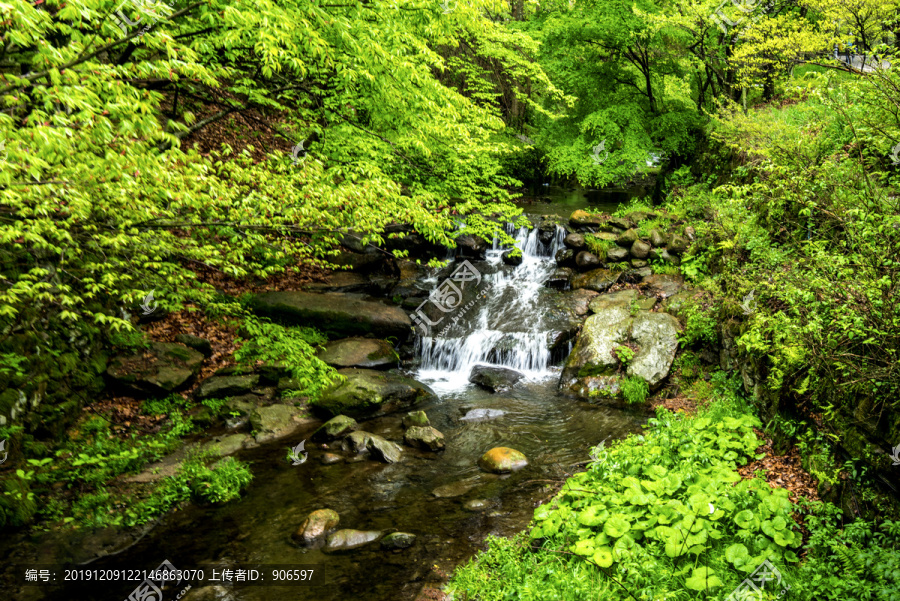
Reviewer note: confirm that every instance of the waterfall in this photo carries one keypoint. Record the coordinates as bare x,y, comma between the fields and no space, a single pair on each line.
505,325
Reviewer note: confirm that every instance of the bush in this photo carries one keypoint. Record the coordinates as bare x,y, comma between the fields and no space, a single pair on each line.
635,389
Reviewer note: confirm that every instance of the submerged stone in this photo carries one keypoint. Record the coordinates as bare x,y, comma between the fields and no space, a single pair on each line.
398,540
316,525
348,540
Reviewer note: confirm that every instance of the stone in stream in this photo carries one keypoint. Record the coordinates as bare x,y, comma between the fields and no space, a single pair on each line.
348,540
316,525
478,504
330,458
397,540
336,314
369,393
337,427
501,460
365,442
209,593
455,489
221,387
415,418
482,415
275,421
559,278
158,369
425,438
494,379
510,259
360,352
587,261
574,241
565,257
546,231
469,246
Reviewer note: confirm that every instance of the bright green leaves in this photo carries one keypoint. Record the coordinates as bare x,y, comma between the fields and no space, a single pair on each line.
702,579
616,526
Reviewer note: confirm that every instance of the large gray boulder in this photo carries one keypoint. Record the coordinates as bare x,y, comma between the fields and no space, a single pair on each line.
366,393
657,337
157,370
334,313
494,379
360,352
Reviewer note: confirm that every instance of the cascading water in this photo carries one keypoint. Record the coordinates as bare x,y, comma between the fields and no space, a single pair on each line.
505,323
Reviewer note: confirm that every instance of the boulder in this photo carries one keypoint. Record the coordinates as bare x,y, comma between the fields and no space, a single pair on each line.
469,246
622,298
511,259
337,427
275,421
501,460
336,314
665,285
494,379
657,239
348,540
635,276
582,219
574,241
617,254
415,418
622,223
598,280
627,238
368,393
397,540
360,352
586,260
365,442
676,245
424,437
565,257
559,279
640,250
158,370
657,337
638,263
316,526
546,231
593,352
201,345
668,257
359,262
220,387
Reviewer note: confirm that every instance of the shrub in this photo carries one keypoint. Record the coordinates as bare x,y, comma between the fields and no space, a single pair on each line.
635,389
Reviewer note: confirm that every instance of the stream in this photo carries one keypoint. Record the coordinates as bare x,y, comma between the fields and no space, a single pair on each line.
443,498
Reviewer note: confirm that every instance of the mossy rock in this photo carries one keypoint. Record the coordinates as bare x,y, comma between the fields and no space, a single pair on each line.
368,353
367,393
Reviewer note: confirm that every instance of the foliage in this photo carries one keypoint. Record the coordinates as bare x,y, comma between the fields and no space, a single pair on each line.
700,324
220,483
624,354
635,389
663,515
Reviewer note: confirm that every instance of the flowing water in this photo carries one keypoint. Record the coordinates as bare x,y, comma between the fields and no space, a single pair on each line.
505,327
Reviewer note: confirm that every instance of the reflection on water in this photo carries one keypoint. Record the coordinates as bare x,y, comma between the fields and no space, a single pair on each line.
560,201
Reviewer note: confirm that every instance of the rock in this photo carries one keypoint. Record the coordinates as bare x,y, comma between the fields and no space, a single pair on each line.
581,219
425,438
586,260
469,246
397,540
478,504
665,285
337,427
316,526
227,445
511,259
274,421
546,231
201,345
343,281
622,223
690,232
208,593
482,415
676,245
605,236
360,352
574,241
157,370
622,298
565,257
559,279
380,448
501,460
494,379
348,540
602,332
455,489
656,238
330,458
415,418
638,263
657,336
617,254
336,314
669,257
635,276
640,250
220,387
369,393
598,280
627,238
366,262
